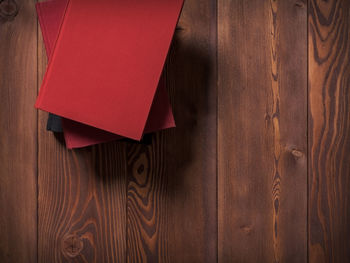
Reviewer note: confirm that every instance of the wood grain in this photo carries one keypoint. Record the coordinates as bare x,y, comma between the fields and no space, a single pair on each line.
18,132
82,197
172,183
329,131
262,143
260,92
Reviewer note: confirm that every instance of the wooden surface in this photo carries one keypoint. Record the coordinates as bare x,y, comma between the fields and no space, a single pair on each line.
262,143
329,131
257,170
18,133
172,183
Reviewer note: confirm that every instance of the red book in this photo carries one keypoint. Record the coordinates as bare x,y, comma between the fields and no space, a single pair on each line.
50,15
107,62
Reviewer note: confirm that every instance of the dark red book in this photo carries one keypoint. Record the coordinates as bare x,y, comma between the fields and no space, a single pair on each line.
107,62
77,134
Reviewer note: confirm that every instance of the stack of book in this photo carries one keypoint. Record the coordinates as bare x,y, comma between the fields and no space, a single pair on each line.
104,76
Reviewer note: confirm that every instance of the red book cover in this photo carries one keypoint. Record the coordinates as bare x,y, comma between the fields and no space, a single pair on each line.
50,13
107,62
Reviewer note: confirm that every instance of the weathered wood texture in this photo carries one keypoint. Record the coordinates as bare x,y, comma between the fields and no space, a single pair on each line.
172,183
262,132
18,132
81,197
329,131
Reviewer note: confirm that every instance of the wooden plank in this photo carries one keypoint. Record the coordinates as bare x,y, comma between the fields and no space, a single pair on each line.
82,198
262,119
18,132
329,131
172,183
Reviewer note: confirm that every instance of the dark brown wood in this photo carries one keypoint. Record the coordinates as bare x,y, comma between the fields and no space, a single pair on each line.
82,197
260,92
172,183
262,98
18,132
329,131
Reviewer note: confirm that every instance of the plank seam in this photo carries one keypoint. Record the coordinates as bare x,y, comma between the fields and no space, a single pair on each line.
37,140
307,131
217,126
126,205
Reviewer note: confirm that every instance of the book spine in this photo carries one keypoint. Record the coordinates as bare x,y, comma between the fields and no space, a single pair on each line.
52,55
41,19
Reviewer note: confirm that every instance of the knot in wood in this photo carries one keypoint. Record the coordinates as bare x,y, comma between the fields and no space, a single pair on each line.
71,245
300,3
247,229
8,9
297,154
140,169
